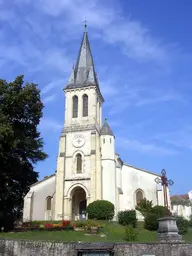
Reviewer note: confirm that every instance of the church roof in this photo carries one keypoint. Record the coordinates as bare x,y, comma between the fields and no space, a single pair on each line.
142,170
83,74
106,129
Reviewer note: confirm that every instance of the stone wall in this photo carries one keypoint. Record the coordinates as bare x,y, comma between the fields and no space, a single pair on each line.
32,248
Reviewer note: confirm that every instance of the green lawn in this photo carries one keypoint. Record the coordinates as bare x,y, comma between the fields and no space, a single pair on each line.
113,231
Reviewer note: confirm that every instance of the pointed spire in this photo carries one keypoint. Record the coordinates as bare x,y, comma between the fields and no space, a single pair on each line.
84,72
106,129
91,76
72,76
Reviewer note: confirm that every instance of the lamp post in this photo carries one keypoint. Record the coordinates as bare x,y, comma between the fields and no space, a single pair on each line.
165,183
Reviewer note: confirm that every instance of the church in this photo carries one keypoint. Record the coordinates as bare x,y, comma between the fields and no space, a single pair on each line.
88,167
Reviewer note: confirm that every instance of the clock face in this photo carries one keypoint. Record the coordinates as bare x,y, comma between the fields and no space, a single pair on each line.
78,141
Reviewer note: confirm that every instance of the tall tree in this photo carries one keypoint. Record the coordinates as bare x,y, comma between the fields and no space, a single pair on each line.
21,145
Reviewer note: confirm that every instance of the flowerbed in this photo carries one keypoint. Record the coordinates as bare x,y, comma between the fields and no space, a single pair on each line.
86,226
48,226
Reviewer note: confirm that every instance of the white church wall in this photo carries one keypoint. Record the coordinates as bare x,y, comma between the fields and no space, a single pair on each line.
132,180
109,186
181,210
92,107
109,178
71,152
41,191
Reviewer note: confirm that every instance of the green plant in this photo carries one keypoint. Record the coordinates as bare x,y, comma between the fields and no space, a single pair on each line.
127,217
80,224
130,234
182,225
151,222
161,211
100,210
190,221
144,207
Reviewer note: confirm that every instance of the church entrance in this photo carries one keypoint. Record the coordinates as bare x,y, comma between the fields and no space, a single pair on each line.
79,203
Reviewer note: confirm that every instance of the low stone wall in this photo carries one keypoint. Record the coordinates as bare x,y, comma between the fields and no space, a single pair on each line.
38,248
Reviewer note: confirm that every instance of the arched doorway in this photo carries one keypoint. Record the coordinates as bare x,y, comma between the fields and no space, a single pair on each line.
79,203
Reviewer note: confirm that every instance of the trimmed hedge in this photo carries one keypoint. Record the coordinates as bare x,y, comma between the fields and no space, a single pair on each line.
151,222
127,217
161,211
100,210
183,225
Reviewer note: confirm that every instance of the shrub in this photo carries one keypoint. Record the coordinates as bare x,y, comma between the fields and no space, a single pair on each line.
182,225
127,217
151,222
100,210
130,234
190,221
144,207
161,211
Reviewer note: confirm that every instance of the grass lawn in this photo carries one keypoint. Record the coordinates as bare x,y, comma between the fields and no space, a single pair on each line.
113,231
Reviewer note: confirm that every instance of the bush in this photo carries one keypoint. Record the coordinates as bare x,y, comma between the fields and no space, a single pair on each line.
127,217
151,222
130,234
144,207
100,210
182,225
190,221
161,211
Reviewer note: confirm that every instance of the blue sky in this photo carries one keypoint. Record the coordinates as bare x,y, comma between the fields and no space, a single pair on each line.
143,56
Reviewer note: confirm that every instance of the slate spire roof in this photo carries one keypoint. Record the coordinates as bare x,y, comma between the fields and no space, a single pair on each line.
106,129
83,74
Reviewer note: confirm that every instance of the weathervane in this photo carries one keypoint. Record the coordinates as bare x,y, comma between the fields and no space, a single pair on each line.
165,183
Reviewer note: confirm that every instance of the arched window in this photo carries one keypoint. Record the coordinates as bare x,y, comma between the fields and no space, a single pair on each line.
79,163
48,205
139,196
75,106
85,105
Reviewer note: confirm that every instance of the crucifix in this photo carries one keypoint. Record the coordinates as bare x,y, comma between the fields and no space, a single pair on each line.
165,183
79,141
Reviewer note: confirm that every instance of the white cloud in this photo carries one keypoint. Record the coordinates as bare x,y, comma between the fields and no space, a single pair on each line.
180,138
49,98
144,148
48,124
135,40
53,85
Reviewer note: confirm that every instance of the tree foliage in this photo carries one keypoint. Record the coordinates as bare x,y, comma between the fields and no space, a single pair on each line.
101,210
21,145
144,206
127,217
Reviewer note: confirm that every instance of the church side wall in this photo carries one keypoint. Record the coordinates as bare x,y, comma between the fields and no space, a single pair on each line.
41,192
132,180
108,177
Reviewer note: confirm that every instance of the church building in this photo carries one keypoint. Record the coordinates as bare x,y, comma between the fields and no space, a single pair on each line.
88,167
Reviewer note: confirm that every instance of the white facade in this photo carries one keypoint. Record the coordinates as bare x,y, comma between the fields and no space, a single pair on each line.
87,167
183,210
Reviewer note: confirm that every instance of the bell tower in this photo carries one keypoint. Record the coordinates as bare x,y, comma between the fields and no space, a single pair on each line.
78,177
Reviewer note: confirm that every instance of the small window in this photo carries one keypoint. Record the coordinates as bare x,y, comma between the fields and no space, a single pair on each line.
110,140
103,141
48,206
79,163
85,105
75,106
139,196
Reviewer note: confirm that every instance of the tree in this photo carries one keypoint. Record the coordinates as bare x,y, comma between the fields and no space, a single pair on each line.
21,145
144,206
